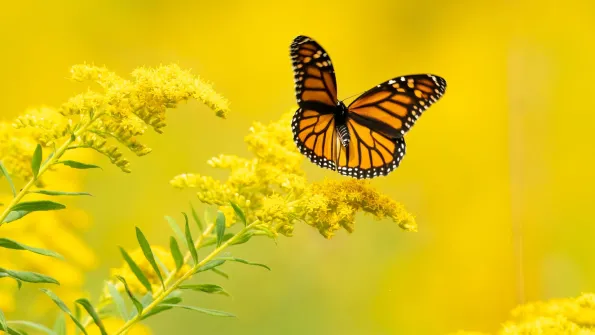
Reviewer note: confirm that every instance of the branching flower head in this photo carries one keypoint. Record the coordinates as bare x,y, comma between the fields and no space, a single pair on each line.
273,189
121,111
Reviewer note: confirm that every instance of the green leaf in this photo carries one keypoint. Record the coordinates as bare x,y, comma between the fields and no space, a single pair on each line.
210,265
221,273
156,310
239,213
220,227
239,260
29,277
172,300
33,325
136,270
162,266
3,324
36,161
63,307
146,247
196,219
91,310
244,238
190,241
8,179
203,310
77,315
118,300
26,207
135,302
60,324
10,244
176,253
147,299
78,165
174,226
207,288
48,192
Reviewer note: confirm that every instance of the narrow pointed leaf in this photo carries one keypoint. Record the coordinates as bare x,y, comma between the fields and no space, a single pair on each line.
136,270
26,276
8,179
57,193
33,325
144,301
210,265
65,308
211,312
162,266
78,165
24,208
174,226
206,288
196,219
221,273
77,315
135,302
118,300
146,247
244,238
36,161
10,244
156,310
239,260
239,212
172,300
190,241
60,324
176,253
91,310
3,324
220,227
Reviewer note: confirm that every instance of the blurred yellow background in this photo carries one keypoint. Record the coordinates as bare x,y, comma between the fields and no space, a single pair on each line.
504,160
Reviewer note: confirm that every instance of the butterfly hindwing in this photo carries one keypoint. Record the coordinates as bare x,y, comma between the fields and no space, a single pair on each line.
315,136
369,153
394,106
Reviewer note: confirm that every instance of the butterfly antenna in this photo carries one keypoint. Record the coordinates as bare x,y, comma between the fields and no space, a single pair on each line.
351,96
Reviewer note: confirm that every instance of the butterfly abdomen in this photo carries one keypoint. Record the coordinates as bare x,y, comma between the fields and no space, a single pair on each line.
343,134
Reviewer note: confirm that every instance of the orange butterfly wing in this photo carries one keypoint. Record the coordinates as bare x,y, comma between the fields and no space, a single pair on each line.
313,124
392,107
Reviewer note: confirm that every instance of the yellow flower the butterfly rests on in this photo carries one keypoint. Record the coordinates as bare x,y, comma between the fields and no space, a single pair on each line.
364,139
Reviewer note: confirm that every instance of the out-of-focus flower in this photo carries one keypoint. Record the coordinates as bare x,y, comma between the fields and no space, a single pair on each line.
571,316
273,189
54,230
112,325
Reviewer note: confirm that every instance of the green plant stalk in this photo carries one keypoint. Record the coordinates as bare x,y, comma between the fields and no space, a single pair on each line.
163,294
57,155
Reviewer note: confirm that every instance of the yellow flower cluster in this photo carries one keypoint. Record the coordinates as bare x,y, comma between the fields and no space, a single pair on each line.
122,111
571,316
161,254
272,188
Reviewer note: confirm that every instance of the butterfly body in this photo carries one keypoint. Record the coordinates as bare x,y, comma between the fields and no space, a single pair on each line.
341,123
364,139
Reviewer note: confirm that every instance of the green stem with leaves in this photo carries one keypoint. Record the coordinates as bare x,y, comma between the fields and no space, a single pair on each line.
161,294
45,166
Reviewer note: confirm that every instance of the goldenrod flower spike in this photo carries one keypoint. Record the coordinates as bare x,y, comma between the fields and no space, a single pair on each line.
272,188
119,114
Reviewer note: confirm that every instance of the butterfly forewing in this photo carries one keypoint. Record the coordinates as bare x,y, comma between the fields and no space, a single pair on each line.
313,124
315,83
393,106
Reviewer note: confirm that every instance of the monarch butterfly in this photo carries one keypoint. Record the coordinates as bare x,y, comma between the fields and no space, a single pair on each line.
364,139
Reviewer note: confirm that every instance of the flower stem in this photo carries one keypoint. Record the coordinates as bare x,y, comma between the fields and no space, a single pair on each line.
52,160
161,294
